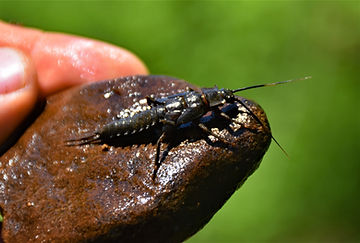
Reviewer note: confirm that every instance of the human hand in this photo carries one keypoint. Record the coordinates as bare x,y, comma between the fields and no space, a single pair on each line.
36,64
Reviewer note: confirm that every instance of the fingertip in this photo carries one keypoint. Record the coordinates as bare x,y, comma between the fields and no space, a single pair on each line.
64,60
18,89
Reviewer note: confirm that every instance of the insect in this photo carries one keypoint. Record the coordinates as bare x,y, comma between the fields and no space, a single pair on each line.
171,112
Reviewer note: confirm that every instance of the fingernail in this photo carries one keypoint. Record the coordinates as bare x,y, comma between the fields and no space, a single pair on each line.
12,66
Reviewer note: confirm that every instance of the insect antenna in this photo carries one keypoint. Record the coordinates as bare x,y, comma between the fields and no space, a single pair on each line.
278,144
261,123
253,114
269,84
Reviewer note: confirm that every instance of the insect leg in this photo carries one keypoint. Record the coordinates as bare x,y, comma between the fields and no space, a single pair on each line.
152,101
157,157
208,131
167,128
251,113
218,112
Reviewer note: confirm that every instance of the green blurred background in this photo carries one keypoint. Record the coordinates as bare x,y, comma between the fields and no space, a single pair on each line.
314,196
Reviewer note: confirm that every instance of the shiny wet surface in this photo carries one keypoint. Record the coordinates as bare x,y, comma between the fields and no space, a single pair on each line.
105,191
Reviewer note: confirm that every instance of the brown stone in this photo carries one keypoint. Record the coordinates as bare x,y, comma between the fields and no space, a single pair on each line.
53,192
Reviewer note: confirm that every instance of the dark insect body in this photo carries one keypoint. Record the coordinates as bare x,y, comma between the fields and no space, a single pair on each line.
171,112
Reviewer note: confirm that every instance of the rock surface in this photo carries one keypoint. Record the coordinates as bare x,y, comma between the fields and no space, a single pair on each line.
96,192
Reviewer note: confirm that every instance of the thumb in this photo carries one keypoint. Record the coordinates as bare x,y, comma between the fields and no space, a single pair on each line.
18,89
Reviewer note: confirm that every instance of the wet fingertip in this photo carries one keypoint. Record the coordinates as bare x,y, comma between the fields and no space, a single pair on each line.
18,90
12,69
16,70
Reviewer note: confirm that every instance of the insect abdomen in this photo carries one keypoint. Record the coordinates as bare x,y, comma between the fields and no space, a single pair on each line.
130,125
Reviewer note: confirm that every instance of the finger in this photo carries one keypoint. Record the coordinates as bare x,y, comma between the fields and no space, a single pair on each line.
64,60
18,89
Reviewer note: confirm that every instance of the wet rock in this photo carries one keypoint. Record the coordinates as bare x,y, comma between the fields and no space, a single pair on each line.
96,192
